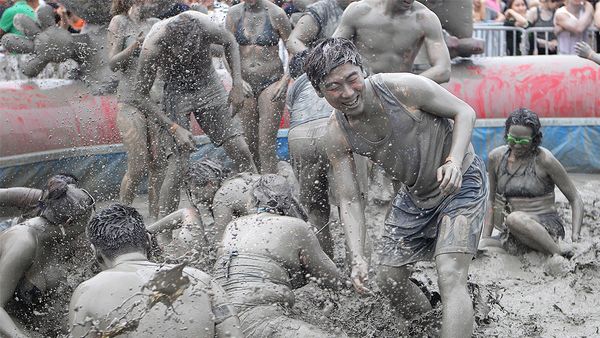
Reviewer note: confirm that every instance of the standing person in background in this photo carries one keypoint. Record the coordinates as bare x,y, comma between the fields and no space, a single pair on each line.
543,16
571,24
515,16
257,26
20,7
126,33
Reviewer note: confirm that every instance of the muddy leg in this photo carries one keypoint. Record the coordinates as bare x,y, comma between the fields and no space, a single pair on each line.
268,125
237,148
248,116
133,128
457,311
171,186
531,233
405,296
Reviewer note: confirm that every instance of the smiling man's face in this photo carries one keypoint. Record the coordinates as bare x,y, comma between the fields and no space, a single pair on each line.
343,88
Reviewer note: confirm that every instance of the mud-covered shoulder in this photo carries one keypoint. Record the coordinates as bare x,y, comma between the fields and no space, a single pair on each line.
496,153
358,9
545,158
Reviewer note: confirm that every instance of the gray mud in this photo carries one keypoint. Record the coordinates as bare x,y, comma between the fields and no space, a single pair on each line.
526,296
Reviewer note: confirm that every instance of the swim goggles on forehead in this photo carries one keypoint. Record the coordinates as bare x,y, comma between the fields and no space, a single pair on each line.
517,140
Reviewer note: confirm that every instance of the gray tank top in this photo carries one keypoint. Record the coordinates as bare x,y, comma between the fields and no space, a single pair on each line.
566,39
304,104
413,149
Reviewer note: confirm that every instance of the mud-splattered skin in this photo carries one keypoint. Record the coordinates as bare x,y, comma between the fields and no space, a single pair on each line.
141,298
126,33
180,48
526,178
346,90
32,253
389,34
263,257
263,70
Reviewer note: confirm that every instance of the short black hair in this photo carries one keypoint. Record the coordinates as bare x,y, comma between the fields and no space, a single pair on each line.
527,118
118,229
328,55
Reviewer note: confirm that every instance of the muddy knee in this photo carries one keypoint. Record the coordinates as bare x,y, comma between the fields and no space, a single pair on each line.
391,278
517,221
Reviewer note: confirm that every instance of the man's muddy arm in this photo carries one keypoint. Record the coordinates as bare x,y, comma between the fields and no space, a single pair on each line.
488,224
14,263
316,262
226,319
177,219
439,56
350,203
20,198
567,187
305,32
346,28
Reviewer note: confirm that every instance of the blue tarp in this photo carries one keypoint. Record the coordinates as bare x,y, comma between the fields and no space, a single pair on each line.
576,147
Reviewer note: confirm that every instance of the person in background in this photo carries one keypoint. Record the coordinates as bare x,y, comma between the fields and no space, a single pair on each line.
515,16
543,16
522,177
20,7
571,24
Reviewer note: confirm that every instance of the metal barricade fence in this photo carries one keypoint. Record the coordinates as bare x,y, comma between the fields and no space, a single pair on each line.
497,38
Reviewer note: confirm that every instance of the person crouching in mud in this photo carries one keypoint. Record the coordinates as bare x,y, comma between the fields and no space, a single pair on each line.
207,185
142,298
33,252
264,256
403,122
522,177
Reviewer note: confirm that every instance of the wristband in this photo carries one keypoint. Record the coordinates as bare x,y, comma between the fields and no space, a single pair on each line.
173,128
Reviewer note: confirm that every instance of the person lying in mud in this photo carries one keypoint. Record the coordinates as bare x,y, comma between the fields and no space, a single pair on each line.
264,256
585,51
142,298
33,252
404,122
227,198
522,177
180,47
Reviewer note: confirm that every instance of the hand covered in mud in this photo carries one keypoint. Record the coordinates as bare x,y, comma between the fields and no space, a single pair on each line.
584,50
42,38
281,89
449,175
183,137
360,275
238,93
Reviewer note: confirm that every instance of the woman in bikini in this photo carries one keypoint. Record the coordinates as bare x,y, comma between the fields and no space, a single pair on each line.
258,25
126,33
522,177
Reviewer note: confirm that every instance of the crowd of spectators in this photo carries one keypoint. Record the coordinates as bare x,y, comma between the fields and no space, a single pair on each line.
561,23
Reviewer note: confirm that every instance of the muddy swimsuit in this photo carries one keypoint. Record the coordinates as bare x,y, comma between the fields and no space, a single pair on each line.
267,38
515,191
261,291
412,151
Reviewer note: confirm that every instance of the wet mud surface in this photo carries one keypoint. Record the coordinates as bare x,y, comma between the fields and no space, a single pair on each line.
532,295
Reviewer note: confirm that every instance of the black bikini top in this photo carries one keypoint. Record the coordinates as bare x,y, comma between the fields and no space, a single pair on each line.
268,37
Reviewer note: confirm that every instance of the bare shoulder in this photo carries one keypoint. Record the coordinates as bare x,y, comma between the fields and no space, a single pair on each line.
235,11
422,11
496,153
275,11
406,85
546,159
359,8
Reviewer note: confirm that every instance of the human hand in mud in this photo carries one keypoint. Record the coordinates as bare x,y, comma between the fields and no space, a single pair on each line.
281,89
183,137
42,38
449,175
360,275
584,50
238,93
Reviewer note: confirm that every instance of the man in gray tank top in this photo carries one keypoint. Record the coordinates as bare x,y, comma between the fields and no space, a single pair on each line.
403,123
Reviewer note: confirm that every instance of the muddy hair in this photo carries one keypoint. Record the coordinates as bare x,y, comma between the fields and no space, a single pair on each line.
273,193
118,229
328,55
200,173
63,201
527,118
120,7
